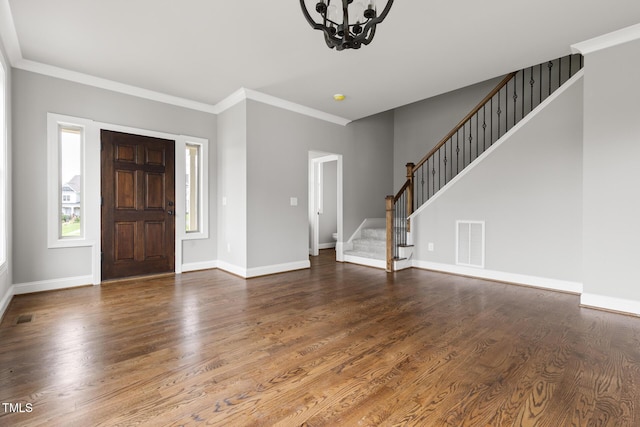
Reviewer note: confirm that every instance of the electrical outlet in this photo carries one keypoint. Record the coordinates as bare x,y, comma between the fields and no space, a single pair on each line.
293,201
228,247
430,247
224,201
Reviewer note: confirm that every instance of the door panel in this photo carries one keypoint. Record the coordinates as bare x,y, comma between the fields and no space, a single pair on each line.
138,226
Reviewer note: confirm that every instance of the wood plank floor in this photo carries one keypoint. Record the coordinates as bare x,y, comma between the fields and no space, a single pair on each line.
336,345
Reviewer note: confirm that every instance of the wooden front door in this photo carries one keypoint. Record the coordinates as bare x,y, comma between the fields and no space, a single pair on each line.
138,221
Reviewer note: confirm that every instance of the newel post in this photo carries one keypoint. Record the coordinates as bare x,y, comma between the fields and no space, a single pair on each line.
389,207
410,167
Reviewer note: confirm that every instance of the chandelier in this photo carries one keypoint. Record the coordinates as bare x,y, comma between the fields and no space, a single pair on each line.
349,26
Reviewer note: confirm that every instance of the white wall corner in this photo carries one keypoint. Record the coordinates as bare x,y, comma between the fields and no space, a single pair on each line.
52,285
277,268
196,266
6,300
610,303
231,100
233,269
608,40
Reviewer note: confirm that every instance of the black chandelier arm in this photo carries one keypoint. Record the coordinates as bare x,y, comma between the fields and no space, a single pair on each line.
309,19
378,19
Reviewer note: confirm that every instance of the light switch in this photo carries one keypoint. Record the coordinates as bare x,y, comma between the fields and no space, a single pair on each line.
293,201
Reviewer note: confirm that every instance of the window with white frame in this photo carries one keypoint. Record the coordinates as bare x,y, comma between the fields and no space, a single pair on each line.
192,197
4,176
192,188
66,189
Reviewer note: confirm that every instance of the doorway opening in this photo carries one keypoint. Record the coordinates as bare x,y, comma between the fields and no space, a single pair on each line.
325,203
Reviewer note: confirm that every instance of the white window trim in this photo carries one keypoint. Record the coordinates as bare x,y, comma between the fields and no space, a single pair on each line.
91,187
54,122
4,169
203,183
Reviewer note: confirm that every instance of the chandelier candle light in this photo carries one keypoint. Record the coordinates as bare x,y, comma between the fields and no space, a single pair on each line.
348,27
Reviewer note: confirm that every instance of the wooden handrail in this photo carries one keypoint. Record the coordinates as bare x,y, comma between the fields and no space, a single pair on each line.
404,187
477,108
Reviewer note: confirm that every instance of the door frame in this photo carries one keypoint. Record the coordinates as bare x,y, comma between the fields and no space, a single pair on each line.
93,199
316,159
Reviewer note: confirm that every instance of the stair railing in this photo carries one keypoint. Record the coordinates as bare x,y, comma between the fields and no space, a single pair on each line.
515,96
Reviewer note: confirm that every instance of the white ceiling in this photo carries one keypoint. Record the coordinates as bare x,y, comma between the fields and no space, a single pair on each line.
204,50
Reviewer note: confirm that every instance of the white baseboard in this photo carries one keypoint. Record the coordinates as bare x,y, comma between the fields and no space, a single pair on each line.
195,266
520,279
52,285
327,245
232,268
369,262
6,299
610,303
277,268
264,270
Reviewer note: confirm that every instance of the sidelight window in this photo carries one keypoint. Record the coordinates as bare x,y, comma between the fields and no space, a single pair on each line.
192,189
4,175
66,199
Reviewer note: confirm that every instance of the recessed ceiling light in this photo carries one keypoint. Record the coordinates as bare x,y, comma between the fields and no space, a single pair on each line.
338,97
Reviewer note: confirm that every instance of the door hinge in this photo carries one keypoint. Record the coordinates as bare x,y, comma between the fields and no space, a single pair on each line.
101,201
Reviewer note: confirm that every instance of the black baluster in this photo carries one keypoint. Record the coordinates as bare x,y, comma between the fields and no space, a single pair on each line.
498,112
515,98
550,66
540,99
559,72
531,83
506,107
470,141
445,163
477,133
439,164
457,151
422,182
522,93
484,127
491,120
433,176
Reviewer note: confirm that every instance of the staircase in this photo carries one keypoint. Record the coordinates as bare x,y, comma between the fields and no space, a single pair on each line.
517,95
369,244
372,243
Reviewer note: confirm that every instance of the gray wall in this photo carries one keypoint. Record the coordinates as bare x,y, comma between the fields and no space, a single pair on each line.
529,193
34,96
418,127
278,145
612,172
329,219
232,185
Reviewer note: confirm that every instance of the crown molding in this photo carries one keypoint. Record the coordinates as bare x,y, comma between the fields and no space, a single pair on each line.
87,79
9,38
297,108
8,34
605,41
244,93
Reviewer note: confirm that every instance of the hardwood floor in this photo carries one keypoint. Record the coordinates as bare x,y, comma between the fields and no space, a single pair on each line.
336,345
